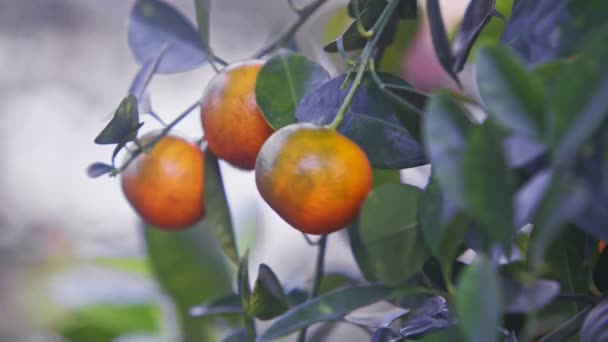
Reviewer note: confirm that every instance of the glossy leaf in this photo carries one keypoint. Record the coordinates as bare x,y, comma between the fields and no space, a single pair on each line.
182,262
268,299
107,322
374,318
594,326
391,234
124,124
524,298
581,104
217,211
445,128
371,122
513,97
476,16
440,40
282,83
98,169
478,301
156,25
230,304
328,307
443,228
489,184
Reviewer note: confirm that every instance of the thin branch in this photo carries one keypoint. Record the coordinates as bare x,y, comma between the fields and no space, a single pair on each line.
289,32
316,287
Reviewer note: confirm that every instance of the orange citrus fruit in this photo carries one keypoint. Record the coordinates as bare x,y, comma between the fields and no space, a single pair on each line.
234,126
165,185
601,246
314,177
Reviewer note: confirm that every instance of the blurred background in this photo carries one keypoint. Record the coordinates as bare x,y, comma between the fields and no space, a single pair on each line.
72,253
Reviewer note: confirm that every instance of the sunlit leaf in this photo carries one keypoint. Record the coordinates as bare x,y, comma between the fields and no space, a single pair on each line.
282,83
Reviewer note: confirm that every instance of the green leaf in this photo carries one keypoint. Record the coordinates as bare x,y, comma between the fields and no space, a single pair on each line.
478,301
562,201
268,299
391,234
243,284
529,296
445,128
443,228
203,10
351,39
489,184
476,17
359,251
408,9
182,262
580,103
451,334
106,322
230,304
334,281
123,126
328,307
594,326
282,83
217,211
571,327
514,97
381,177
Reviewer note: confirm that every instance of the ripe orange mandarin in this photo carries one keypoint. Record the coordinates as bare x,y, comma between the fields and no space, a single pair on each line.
234,126
314,177
165,185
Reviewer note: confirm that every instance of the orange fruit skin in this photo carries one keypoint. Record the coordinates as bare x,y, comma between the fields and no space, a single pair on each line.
165,186
601,245
315,178
234,127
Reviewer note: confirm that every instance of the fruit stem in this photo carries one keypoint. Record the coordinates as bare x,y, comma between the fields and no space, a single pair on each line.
316,286
290,31
365,60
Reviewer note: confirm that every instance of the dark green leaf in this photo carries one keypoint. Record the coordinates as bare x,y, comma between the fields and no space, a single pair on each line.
478,301
217,212
328,307
334,281
523,298
570,328
440,39
451,334
282,83
244,287
351,39
443,228
600,274
595,325
182,262
230,304
382,177
99,169
489,184
203,10
236,335
376,5
371,122
360,253
107,322
477,15
563,200
155,25
391,234
408,9
581,104
445,128
123,126
513,97
268,299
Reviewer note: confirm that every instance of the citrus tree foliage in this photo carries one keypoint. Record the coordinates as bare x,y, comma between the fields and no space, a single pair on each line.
524,190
